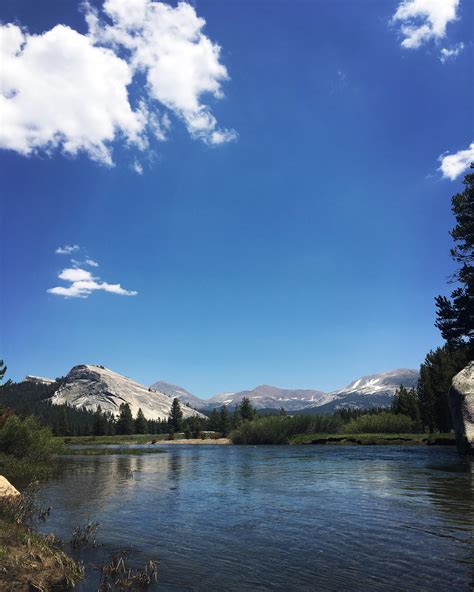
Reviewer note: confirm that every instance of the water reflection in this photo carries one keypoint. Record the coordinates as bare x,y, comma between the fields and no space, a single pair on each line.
281,518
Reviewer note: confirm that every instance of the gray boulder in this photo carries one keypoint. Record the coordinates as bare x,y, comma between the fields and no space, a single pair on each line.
461,403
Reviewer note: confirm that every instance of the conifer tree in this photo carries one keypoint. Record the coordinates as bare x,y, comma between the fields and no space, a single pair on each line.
224,421
141,424
236,418
406,403
175,421
125,423
214,420
99,427
455,315
247,412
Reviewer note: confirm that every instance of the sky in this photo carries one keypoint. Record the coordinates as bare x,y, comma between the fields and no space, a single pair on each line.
228,193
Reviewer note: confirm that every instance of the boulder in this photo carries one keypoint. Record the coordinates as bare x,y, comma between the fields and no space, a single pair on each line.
461,403
7,489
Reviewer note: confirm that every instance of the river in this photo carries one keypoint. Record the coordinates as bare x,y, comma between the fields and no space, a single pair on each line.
277,518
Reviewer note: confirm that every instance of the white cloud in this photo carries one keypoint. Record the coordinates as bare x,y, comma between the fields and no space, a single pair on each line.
451,53
91,262
67,249
82,283
137,167
167,44
423,20
453,165
68,91
57,90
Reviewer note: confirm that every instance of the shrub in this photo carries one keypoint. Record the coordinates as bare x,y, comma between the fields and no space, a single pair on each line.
278,429
383,423
27,439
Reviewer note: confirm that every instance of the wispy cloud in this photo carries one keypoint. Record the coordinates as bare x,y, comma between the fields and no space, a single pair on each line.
453,165
81,284
70,91
67,249
451,53
424,20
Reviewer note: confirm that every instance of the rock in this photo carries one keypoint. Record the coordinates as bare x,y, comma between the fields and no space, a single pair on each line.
89,386
7,489
461,403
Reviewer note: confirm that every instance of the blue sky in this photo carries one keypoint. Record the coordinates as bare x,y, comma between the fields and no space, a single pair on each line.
291,228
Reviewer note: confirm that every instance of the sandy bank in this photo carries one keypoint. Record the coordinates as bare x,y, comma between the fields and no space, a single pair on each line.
199,441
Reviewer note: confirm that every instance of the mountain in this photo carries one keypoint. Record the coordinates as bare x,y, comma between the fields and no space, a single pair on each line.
173,390
89,386
376,390
270,397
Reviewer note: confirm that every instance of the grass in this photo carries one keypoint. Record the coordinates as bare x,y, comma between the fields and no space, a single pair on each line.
23,471
28,560
132,439
100,451
372,439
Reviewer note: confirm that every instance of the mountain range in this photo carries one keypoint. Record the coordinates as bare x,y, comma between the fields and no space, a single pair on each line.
89,385
375,390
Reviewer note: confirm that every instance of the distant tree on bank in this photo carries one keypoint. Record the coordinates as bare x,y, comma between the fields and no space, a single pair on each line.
99,427
455,315
125,423
436,374
405,402
175,421
236,418
141,424
247,412
224,421
214,420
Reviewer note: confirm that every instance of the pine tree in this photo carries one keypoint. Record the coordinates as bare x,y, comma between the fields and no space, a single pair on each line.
406,403
236,418
99,427
214,420
436,374
3,369
141,425
175,421
247,412
125,423
224,421
455,315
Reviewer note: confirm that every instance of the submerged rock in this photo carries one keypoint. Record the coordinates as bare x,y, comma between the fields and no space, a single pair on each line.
7,489
461,403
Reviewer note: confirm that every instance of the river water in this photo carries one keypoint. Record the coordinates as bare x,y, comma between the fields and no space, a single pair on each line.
279,518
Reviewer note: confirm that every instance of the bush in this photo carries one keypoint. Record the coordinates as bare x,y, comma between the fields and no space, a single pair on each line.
383,423
278,429
27,439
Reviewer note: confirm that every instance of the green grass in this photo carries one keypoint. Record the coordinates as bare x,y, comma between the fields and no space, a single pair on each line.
101,451
20,471
371,438
133,439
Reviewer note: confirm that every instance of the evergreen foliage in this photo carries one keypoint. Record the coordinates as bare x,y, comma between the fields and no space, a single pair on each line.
175,421
436,374
141,425
247,412
455,315
125,423
224,421
405,402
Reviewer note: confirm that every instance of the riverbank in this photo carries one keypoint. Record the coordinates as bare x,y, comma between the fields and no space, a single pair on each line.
375,439
29,560
139,439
